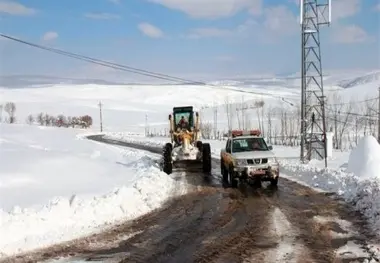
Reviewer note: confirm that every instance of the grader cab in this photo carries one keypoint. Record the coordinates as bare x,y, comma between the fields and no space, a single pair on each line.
185,145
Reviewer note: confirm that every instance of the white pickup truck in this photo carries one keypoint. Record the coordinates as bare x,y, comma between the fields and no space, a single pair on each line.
248,157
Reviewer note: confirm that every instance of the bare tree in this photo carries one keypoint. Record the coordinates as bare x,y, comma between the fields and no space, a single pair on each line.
238,118
47,119
371,121
259,105
335,116
284,125
30,119
86,121
228,110
269,120
206,130
40,118
10,108
52,120
341,123
61,120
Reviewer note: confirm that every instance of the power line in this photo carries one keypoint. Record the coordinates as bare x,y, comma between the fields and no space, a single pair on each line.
135,70
356,102
351,113
98,61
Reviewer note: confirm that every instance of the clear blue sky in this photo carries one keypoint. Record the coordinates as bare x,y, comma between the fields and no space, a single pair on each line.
182,37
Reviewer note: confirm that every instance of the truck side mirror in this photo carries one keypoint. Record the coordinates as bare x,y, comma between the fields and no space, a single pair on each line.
270,147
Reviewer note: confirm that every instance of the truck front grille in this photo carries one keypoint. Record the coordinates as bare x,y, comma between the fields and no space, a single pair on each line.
257,161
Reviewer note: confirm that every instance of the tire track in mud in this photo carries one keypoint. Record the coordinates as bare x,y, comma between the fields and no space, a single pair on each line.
212,223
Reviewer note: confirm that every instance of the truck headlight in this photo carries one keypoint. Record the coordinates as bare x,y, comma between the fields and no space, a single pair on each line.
241,162
272,160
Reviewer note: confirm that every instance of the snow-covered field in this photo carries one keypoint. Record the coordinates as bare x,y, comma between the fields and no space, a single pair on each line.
55,186
125,108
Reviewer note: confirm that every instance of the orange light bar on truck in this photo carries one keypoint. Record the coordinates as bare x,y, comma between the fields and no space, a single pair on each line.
236,133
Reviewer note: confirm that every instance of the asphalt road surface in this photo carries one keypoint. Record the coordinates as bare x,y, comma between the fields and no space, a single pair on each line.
216,223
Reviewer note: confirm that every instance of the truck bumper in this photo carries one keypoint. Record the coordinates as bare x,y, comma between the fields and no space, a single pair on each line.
265,173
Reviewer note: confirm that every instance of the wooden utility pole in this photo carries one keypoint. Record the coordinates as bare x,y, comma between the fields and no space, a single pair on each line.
378,119
101,116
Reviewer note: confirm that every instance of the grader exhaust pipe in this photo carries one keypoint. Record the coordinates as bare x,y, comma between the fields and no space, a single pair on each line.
171,124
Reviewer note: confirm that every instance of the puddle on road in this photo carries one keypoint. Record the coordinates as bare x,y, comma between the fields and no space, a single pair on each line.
345,237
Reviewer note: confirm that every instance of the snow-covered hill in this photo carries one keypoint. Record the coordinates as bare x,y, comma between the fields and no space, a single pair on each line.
125,106
372,78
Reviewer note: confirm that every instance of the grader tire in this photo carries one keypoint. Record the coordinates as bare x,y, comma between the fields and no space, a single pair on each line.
167,158
206,158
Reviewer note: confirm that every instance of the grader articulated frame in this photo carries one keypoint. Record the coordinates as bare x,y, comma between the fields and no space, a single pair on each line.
185,146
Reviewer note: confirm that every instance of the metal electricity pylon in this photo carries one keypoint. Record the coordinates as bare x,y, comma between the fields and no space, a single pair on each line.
313,15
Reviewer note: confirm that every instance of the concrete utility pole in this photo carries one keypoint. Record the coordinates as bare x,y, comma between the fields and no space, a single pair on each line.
378,119
215,110
313,123
146,126
100,116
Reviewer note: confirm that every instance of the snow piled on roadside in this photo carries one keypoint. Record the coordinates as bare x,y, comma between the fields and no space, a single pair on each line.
67,188
364,160
137,138
63,218
358,184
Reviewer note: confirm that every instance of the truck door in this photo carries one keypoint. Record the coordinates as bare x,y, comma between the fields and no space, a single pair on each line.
227,156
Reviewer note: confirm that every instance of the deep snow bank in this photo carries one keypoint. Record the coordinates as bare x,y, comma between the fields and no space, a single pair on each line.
55,187
364,160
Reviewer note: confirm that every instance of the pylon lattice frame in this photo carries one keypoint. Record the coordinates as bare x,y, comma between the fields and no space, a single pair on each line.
313,123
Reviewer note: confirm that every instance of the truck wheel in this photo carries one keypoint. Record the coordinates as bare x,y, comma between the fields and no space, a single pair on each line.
223,171
167,159
274,181
233,180
206,158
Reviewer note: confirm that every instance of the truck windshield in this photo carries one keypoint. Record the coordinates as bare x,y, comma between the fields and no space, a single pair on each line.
249,144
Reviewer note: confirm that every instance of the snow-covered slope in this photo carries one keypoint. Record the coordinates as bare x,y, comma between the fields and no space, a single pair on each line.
372,78
55,186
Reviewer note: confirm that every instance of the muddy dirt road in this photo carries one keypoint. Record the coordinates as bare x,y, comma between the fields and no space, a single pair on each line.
215,223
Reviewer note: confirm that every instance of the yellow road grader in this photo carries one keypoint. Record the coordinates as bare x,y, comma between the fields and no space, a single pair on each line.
185,146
